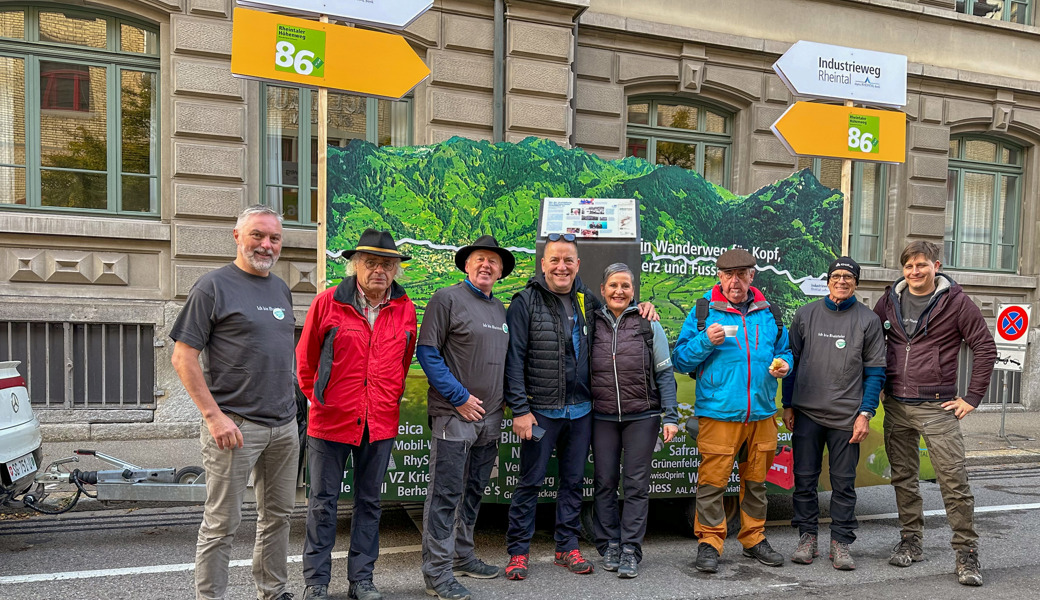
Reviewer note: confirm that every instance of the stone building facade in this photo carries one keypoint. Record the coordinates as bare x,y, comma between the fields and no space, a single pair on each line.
584,73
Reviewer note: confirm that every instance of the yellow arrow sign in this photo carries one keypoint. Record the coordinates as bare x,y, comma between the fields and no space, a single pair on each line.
313,54
810,129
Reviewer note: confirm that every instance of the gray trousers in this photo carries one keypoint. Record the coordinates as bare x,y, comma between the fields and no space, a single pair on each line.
904,426
462,455
271,455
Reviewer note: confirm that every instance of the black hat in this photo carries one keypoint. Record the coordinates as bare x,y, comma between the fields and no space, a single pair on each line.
379,243
486,242
735,258
844,263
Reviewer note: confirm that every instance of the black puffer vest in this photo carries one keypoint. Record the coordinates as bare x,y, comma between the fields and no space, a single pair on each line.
545,373
623,366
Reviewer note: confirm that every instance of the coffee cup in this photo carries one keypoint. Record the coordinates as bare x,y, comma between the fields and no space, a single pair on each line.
731,330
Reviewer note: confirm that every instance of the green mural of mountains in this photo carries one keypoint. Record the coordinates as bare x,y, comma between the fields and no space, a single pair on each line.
450,193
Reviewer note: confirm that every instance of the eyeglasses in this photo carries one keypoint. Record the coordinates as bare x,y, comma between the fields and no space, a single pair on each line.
843,277
567,237
388,265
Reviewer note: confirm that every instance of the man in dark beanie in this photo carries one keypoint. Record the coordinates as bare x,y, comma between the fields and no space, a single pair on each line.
839,370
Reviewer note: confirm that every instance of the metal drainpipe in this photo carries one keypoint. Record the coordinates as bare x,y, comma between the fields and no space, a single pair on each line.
572,138
499,83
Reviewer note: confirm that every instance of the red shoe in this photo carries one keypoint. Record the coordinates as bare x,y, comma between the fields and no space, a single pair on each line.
574,561
517,567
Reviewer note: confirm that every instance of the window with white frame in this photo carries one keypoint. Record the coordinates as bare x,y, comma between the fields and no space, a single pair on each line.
669,131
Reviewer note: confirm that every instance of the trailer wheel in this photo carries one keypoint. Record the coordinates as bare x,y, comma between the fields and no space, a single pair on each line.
188,474
731,504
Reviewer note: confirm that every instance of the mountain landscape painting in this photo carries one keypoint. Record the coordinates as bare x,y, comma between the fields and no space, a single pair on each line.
437,198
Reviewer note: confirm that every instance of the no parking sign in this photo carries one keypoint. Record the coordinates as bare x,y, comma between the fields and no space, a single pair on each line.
1011,333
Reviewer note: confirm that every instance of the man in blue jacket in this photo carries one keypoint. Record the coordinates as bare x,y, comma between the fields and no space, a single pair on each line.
737,354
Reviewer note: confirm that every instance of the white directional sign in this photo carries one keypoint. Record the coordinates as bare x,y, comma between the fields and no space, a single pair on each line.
395,14
826,71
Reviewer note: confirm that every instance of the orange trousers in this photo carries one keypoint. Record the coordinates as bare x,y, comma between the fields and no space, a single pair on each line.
752,446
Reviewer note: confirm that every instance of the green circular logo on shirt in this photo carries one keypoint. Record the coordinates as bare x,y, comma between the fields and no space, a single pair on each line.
839,344
505,328
888,324
278,313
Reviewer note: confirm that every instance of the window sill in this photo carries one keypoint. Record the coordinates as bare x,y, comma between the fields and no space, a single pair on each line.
95,226
964,278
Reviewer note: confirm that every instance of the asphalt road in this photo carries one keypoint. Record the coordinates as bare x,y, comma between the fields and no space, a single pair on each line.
148,553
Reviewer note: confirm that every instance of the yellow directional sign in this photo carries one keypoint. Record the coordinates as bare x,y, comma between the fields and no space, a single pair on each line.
810,129
313,54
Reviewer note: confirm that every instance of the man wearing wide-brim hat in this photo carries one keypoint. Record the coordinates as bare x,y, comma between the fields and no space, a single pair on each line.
352,359
738,348
462,349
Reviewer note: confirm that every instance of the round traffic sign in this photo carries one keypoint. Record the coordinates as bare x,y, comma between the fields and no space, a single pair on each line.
1012,323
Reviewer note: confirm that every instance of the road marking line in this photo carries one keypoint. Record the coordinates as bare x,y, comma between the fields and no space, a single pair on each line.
175,568
927,513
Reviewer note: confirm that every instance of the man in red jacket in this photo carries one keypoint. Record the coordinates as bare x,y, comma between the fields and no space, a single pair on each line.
352,361
926,316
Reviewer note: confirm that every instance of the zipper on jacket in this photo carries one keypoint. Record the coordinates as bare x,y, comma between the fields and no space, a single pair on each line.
613,355
747,344
906,364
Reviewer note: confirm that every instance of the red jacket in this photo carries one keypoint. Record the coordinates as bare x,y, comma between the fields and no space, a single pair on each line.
925,366
354,374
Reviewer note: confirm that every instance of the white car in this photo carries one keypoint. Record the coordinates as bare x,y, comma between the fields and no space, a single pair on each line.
20,437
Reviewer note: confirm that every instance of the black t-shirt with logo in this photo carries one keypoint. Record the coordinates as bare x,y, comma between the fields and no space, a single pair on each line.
912,307
471,334
244,326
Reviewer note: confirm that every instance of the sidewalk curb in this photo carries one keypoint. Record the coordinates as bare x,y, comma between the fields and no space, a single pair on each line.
1004,456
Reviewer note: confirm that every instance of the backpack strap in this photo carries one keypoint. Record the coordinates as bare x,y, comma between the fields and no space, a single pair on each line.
779,320
647,331
701,312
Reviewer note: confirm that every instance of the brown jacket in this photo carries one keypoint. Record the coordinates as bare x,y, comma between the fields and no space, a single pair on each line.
925,366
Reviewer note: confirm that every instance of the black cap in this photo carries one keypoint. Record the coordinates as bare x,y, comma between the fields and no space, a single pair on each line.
486,242
844,263
379,243
735,258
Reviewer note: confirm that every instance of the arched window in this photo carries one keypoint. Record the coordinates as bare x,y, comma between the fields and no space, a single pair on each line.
668,131
982,205
79,111
869,197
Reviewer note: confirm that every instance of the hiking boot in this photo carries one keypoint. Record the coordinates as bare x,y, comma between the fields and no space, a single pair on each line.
807,549
364,590
449,590
907,551
764,553
969,571
477,569
517,567
316,592
628,569
612,556
574,562
707,558
285,596
840,557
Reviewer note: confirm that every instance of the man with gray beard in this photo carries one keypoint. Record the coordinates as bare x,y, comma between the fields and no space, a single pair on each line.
242,317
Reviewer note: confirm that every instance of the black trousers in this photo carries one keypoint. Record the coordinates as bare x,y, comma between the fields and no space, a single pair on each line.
622,447
326,461
570,439
808,442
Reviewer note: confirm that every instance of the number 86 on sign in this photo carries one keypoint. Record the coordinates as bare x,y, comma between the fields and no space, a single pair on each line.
299,50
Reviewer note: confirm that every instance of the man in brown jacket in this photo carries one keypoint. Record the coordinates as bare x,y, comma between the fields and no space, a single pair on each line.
926,315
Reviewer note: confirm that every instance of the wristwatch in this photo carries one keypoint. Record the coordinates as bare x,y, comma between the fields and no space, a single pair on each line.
864,413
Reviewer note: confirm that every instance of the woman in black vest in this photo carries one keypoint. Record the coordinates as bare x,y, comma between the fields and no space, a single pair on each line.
632,383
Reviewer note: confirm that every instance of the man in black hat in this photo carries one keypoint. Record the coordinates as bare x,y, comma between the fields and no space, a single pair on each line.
737,346
352,360
839,369
462,349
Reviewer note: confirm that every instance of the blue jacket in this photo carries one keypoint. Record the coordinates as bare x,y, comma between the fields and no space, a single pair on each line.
733,380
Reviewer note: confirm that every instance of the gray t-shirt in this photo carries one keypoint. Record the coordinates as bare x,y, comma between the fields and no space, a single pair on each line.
912,307
831,349
244,326
471,334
